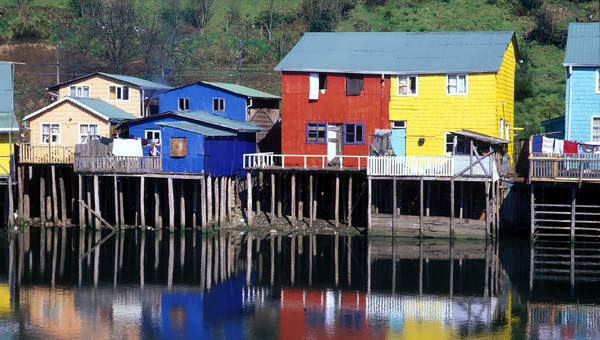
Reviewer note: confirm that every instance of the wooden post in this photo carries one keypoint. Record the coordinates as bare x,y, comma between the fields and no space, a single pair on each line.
54,197
209,206
171,204
80,197
293,196
195,206
471,157
181,205
43,197
279,196
249,197
223,199
97,201
20,190
316,189
421,207
336,213
451,208
272,196
350,200
300,211
311,213
259,192
394,202
217,201
157,214
462,200
369,203
487,209
116,191
143,202
88,186
121,204
573,198
428,200
26,189
203,202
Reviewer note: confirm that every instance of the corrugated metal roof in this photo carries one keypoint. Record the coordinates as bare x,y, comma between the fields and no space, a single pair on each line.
8,122
6,87
146,84
583,44
110,111
398,52
480,136
242,90
198,128
218,120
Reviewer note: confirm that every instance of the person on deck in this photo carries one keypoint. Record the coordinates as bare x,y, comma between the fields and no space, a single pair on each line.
154,150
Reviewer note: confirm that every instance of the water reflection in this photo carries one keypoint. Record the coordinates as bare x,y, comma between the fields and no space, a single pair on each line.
65,283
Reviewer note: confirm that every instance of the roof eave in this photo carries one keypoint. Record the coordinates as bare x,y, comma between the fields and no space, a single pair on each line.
581,65
389,72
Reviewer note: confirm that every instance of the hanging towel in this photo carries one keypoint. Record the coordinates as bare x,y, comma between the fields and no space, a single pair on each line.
571,147
547,144
559,146
589,148
536,143
127,147
313,82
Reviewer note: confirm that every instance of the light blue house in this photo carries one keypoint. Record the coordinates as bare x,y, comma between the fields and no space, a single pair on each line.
582,59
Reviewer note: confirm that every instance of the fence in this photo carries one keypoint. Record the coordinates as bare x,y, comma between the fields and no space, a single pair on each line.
410,166
564,166
116,164
49,154
269,160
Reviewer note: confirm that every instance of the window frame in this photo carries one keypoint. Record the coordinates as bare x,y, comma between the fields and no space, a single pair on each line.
59,138
213,104
153,132
362,142
393,124
592,128
317,124
446,143
88,124
457,75
184,153
116,97
323,77
82,86
186,100
408,94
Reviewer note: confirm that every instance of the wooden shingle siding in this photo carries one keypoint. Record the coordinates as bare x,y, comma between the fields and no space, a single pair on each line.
268,140
69,116
99,89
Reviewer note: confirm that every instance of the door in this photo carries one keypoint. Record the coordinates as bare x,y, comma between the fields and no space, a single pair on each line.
334,141
398,141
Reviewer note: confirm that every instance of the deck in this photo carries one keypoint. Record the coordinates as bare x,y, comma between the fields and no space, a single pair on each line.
116,164
46,154
564,167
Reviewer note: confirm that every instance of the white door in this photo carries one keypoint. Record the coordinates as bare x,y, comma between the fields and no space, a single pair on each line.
331,142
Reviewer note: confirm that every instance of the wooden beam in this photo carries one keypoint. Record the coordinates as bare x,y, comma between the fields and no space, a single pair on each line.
428,199
394,203
349,200
116,195
171,199
336,213
97,202
451,209
249,197
272,196
279,196
80,201
311,198
259,191
203,203
421,207
26,191
293,196
88,185
369,204
143,202
20,190
217,201
122,207
54,197
195,205
43,196
223,199
573,198
209,205
181,205
462,200
487,209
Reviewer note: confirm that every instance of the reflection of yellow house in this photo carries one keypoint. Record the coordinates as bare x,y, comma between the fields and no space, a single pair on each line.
8,123
4,299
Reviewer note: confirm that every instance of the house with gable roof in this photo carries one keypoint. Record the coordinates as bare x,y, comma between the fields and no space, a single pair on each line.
8,122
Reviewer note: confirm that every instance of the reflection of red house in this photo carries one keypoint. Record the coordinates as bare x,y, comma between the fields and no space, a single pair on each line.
335,122
324,315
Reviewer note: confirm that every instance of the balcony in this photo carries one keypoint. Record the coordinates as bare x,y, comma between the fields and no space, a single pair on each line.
564,167
46,154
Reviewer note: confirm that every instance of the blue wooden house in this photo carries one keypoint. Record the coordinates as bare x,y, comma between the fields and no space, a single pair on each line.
582,60
196,141
231,101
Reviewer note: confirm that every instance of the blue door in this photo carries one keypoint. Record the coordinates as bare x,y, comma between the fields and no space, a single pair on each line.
399,142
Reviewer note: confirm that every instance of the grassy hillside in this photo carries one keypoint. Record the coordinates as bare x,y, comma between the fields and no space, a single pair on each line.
210,50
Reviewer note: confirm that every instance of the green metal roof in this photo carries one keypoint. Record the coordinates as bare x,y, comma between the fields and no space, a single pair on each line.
242,90
198,128
6,87
107,110
398,52
583,44
218,120
139,82
8,122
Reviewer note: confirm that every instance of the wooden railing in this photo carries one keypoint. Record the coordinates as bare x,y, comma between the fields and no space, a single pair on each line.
269,159
409,166
581,167
117,164
48,154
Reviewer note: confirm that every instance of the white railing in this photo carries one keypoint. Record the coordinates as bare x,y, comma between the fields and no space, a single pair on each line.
409,166
269,159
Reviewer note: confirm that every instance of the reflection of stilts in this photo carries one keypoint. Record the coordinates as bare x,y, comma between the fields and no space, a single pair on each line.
142,252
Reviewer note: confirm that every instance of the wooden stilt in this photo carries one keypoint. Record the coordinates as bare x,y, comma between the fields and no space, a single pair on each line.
293,196
279,196
181,205
143,202
121,204
80,197
487,209
349,220
259,193
573,198
26,188
54,197
116,192
209,205
394,202
337,200
217,201
43,196
249,197
97,201
171,199
428,200
195,205
203,202
20,179
272,195
462,200
223,199
88,195
369,204
311,212
316,199
451,208
300,211
421,207
157,211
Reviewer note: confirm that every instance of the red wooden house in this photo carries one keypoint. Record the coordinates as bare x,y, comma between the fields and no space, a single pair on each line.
328,111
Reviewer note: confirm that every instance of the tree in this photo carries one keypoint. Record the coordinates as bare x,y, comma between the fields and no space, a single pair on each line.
200,13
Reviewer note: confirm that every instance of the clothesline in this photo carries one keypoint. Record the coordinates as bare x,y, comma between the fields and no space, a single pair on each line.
541,143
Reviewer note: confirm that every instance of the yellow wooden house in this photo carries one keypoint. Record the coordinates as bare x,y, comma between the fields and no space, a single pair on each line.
8,123
448,82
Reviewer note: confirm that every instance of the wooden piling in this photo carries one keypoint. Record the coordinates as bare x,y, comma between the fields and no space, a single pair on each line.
272,195
171,199
157,211
217,201
462,200
26,192
369,203
337,200
428,200
43,196
116,192
122,203
259,191
81,216
573,198
421,207
195,205
143,202
310,201
394,203
54,196
279,196
293,196
209,214
20,179
223,199
300,211
181,205
249,197
487,209
203,202
97,201
349,220
88,195
451,208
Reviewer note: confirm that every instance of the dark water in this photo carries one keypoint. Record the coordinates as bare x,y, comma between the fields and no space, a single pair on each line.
55,284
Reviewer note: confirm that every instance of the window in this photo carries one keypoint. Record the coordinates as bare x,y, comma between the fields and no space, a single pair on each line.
152,136
595,129
82,91
398,124
449,143
354,84
316,133
178,146
88,131
354,133
407,85
118,92
218,104
456,84
322,81
183,104
51,133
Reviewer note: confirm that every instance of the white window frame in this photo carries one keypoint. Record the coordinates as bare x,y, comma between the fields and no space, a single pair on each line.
592,128
59,139
398,124
501,130
507,132
88,124
446,143
598,81
153,132
188,103
117,99
213,104
82,86
466,84
408,94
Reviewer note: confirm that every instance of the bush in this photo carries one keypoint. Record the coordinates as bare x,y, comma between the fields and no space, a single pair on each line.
546,30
